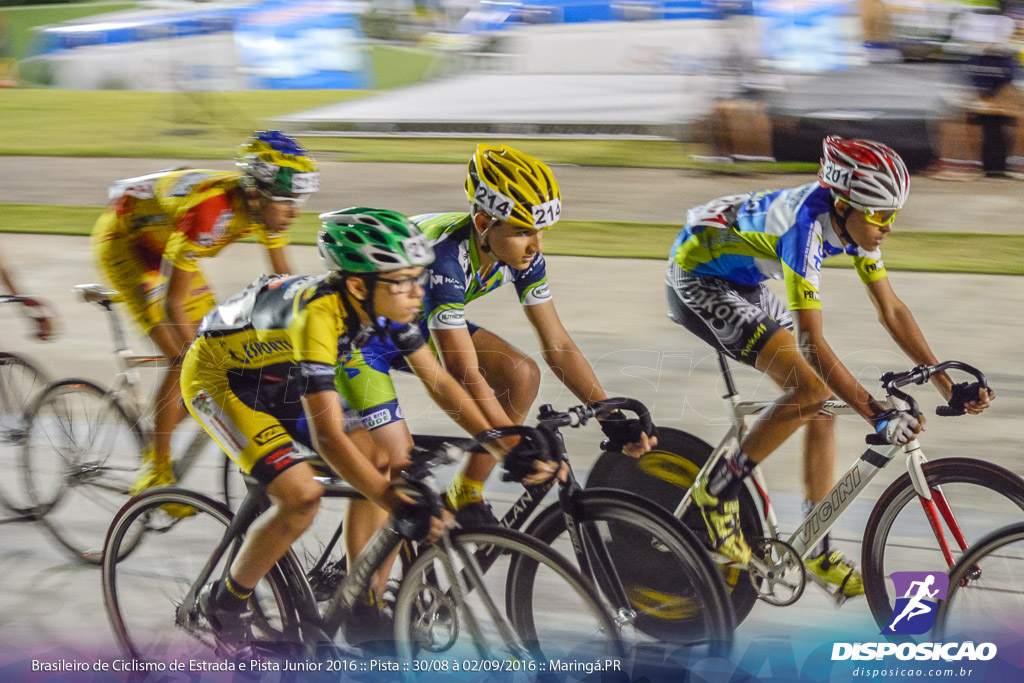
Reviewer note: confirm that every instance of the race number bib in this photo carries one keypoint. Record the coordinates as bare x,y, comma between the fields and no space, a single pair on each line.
836,175
417,249
305,182
494,202
547,214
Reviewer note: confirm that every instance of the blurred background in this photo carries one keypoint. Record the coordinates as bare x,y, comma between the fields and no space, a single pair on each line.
744,81
643,108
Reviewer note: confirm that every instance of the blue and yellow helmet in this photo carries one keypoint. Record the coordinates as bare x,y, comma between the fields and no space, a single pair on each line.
278,164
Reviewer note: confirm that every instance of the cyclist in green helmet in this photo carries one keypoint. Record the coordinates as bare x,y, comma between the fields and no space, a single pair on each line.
263,364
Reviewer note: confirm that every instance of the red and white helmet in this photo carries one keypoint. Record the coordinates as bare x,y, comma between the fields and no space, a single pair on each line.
869,175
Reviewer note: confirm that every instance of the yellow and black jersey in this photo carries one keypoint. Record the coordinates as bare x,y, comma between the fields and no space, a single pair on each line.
281,334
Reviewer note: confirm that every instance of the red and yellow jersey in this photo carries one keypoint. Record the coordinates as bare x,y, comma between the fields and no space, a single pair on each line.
179,217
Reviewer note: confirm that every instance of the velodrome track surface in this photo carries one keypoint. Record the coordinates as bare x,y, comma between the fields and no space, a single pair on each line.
615,310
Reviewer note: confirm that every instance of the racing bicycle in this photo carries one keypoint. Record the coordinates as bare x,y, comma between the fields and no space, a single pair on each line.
20,382
985,601
652,571
82,444
966,495
447,607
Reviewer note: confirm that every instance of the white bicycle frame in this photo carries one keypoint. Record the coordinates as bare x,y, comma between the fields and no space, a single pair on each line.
824,515
126,389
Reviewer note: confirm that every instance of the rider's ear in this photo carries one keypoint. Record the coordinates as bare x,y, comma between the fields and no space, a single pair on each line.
356,286
481,221
842,208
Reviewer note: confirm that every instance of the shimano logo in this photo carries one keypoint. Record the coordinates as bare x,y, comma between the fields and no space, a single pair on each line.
947,652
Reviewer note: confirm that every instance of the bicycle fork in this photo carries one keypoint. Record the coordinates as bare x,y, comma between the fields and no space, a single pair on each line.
934,503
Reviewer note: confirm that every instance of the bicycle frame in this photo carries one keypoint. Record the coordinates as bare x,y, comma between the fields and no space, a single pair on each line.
848,487
126,388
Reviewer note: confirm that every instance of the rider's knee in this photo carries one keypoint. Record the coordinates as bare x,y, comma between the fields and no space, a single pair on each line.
527,377
299,503
811,397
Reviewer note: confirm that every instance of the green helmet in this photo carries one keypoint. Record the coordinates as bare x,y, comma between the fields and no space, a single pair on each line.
361,240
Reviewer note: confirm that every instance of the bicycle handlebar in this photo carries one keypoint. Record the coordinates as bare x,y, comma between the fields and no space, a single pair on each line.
919,375
578,416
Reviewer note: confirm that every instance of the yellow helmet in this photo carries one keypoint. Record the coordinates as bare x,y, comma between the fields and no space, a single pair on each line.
514,187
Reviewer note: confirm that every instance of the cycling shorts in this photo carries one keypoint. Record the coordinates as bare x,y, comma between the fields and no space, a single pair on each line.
237,417
133,269
363,378
737,319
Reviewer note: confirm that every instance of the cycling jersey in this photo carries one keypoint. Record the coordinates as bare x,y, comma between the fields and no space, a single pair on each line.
170,219
256,355
781,234
364,378
454,275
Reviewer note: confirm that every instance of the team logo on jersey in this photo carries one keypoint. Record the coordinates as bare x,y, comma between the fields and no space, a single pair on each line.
268,435
914,613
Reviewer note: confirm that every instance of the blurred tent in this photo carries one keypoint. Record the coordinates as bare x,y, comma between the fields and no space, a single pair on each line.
207,46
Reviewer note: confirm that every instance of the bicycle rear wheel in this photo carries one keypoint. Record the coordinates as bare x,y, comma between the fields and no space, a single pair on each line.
899,536
654,574
663,476
985,603
565,620
20,382
81,451
150,593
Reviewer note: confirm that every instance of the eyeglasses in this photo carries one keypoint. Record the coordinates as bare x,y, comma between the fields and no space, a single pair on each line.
405,285
880,218
296,202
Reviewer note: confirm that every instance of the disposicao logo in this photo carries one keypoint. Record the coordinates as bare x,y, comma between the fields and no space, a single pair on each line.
914,613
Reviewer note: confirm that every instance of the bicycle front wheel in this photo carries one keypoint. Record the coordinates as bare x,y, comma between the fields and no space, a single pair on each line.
985,603
450,610
654,574
20,382
663,476
80,454
150,593
899,534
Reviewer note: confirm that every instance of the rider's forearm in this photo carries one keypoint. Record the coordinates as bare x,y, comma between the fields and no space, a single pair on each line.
278,261
476,385
574,371
904,330
824,361
447,393
341,454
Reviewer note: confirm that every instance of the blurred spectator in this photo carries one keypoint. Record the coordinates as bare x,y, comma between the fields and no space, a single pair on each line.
877,26
984,130
739,128
8,65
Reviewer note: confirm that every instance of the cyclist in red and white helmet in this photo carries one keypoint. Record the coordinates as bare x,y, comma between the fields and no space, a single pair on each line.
725,253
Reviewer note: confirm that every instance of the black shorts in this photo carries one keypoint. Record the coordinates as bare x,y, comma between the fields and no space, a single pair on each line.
737,319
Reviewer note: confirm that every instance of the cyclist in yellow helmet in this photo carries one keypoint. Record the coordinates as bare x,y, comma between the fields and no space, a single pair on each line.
149,241
513,199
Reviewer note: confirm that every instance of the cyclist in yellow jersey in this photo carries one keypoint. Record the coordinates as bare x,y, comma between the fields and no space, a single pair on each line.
149,242
263,364
728,248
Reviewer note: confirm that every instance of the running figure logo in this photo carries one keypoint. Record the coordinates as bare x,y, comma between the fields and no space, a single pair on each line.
914,613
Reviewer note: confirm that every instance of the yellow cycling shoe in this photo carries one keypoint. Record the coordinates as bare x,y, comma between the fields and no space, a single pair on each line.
722,518
834,569
151,474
